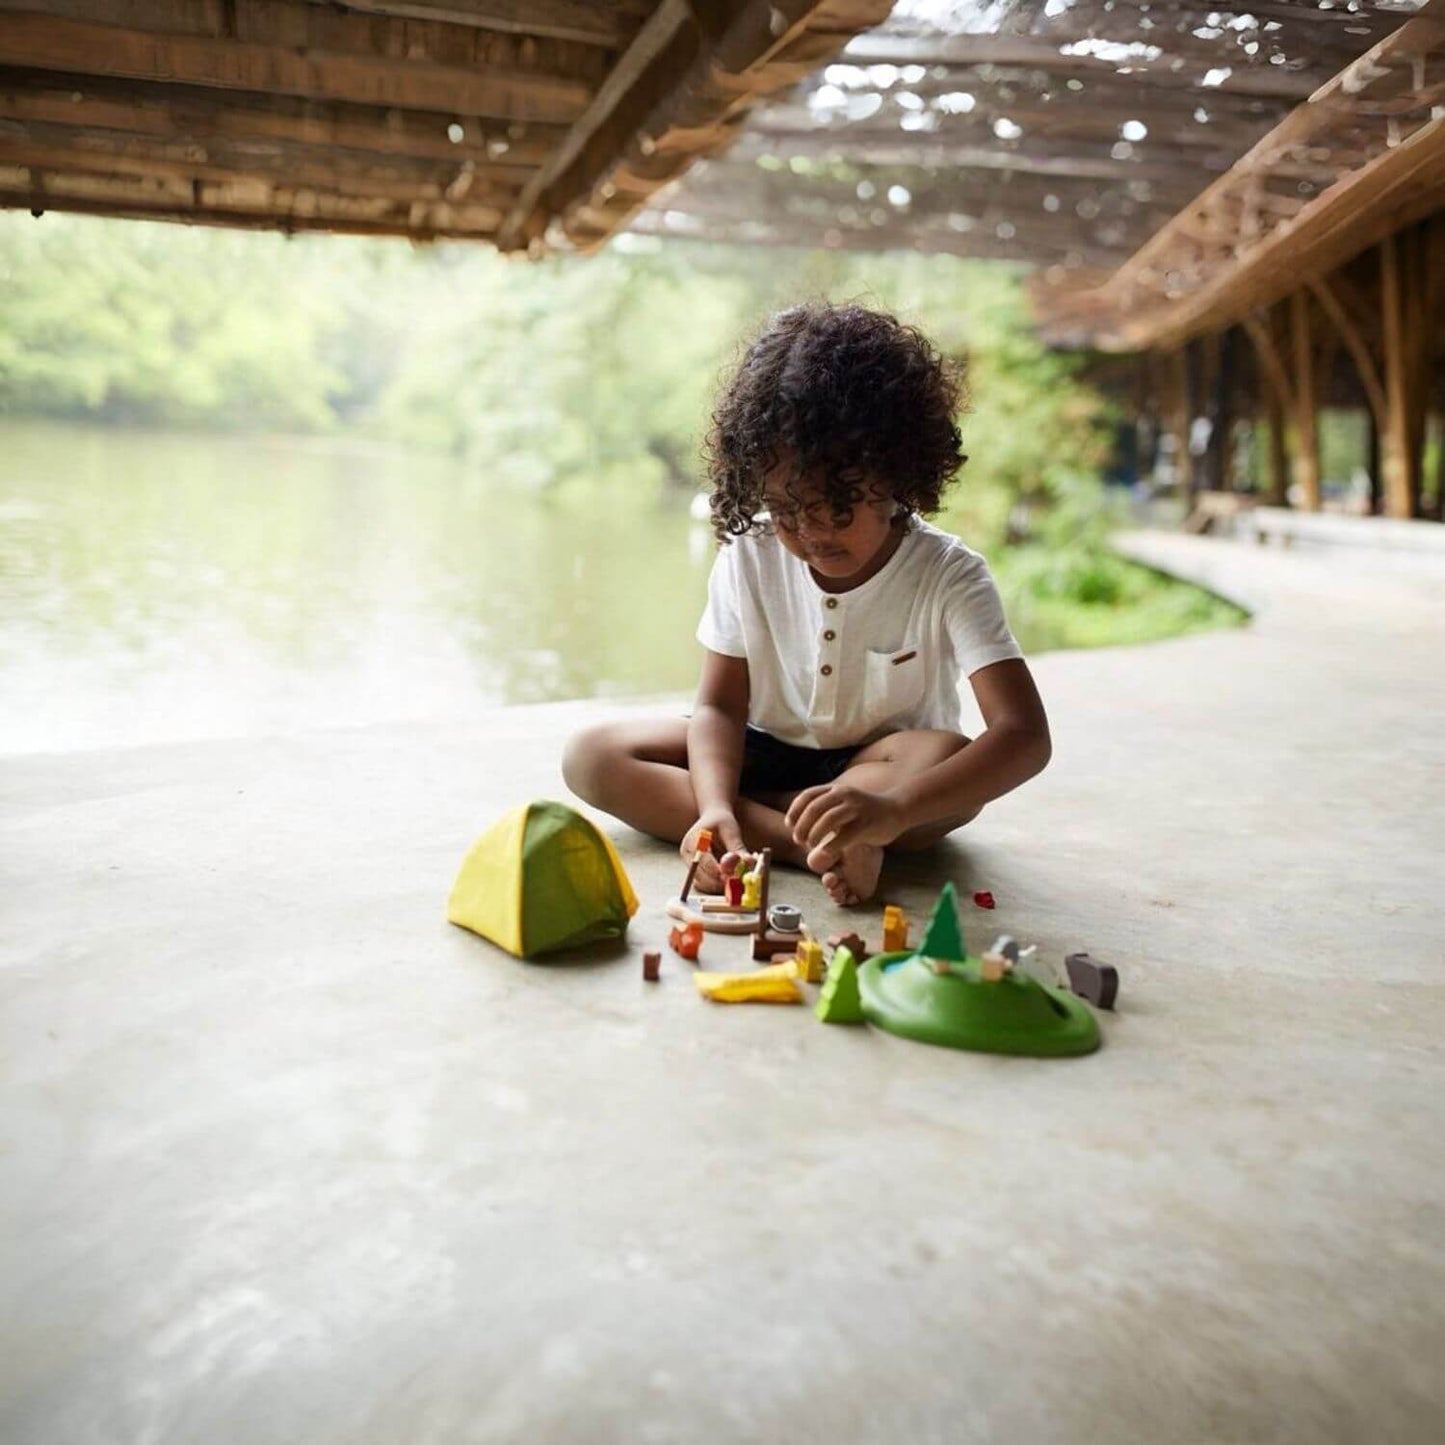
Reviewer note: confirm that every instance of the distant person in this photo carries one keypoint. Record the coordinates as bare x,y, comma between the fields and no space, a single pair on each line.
838,624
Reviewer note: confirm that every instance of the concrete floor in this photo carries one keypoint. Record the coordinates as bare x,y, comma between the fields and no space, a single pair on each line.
287,1158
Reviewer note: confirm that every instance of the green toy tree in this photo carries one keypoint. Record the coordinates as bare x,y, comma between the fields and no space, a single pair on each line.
943,938
839,1001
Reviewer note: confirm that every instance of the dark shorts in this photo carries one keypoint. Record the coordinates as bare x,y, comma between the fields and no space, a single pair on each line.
771,766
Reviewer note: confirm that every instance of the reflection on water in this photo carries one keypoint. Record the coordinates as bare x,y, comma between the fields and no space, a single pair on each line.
170,586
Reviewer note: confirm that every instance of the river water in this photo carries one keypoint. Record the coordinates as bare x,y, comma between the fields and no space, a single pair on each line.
157,587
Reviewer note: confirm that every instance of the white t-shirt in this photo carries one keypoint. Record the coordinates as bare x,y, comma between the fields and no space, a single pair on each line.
838,669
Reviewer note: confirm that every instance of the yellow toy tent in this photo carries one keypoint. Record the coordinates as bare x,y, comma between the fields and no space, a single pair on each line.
542,878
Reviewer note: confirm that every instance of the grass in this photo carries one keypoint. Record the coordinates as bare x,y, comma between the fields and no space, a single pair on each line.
1087,596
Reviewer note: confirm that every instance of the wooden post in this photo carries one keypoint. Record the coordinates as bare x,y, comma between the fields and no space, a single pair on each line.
1179,421
1374,444
1223,436
1437,508
1306,406
1395,441
1278,456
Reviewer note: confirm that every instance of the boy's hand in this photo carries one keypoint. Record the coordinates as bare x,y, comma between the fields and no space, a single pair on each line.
727,837
838,815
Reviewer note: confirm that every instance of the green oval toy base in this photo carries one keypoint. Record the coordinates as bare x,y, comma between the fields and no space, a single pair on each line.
959,1009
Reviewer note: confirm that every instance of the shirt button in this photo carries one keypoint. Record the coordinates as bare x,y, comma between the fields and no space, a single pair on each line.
826,670
829,635
831,602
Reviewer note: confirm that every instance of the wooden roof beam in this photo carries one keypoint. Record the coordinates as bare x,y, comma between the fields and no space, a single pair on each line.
576,20
198,115
933,240
137,208
882,48
57,150
1015,197
1083,124
678,94
937,154
264,205
41,42
308,26
668,39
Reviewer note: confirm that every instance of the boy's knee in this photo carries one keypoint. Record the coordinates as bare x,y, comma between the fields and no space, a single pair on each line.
924,747
585,757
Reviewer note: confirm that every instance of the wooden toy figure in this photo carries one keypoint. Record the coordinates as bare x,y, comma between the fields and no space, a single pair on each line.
704,847
686,941
993,966
895,929
733,891
810,961
752,888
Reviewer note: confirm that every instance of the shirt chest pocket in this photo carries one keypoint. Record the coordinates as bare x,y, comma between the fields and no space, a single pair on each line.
893,684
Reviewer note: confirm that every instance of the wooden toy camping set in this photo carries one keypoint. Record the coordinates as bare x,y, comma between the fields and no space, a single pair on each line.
544,878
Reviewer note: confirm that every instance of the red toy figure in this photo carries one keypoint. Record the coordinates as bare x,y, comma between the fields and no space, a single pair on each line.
652,966
983,898
685,942
734,890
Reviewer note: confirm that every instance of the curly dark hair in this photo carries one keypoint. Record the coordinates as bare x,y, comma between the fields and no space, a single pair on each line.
850,401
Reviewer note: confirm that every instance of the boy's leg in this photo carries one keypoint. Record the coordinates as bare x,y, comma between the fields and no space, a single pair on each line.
637,771
882,763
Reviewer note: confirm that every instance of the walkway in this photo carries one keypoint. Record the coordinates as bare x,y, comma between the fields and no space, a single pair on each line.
287,1158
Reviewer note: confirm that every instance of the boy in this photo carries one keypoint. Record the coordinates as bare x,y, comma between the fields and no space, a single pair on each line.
827,722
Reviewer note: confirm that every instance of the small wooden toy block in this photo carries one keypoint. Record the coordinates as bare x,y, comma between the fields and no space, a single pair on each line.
752,891
769,945
809,959
1097,983
895,929
852,942
993,966
733,891
840,1002
652,966
704,847
686,940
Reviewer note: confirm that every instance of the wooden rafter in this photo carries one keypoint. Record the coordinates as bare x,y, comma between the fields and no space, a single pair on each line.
41,42
755,49
588,24
196,115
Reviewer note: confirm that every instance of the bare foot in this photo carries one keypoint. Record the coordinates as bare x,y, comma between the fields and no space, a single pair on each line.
851,877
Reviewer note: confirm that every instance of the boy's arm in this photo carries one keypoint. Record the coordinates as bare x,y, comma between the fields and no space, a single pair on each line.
715,744
1013,747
